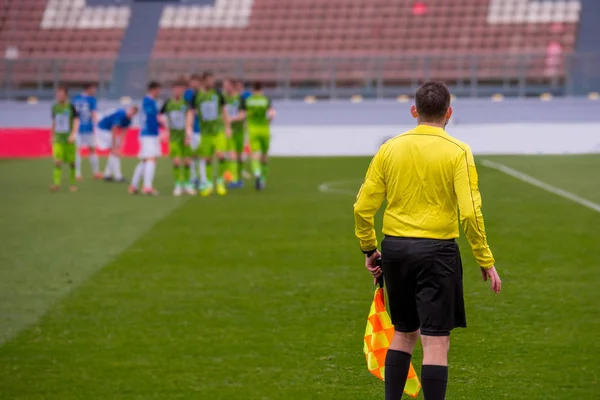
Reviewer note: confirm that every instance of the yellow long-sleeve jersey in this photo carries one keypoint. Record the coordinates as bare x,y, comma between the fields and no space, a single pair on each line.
427,178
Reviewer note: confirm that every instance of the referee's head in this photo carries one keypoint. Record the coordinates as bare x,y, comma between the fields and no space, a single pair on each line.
432,104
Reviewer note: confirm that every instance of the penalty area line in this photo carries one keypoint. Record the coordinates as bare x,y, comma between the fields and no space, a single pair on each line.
542,185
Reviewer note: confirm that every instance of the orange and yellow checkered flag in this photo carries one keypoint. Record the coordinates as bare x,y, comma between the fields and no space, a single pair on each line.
378,336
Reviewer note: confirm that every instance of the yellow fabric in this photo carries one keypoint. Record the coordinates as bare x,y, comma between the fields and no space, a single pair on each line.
378,336
426,176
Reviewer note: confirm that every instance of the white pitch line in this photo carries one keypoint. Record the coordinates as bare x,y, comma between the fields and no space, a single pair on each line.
542,185
329,187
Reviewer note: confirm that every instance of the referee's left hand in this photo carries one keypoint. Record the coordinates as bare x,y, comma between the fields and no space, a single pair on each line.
371,265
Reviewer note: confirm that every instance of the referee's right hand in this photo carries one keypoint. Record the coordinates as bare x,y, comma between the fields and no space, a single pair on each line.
371,265
492,274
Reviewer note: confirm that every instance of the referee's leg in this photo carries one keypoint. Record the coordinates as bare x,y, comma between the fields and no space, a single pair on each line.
424,285
397,363
434,371
400,285
440,302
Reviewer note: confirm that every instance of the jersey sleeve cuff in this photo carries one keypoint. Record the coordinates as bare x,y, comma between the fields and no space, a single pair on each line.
369,252
487,264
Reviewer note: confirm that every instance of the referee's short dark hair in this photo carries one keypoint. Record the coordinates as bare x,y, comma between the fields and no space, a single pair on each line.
432,101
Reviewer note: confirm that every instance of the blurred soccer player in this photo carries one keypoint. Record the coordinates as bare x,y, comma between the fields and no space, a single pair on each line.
244,93
149,142
240,88
209,106
86,105
112,130
235,143
175,109
197,166
65,125
259,112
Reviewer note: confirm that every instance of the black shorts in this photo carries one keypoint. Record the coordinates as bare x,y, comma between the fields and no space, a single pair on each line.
423,279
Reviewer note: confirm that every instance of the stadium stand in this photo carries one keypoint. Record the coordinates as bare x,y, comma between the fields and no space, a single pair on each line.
43,30
298,41
396,31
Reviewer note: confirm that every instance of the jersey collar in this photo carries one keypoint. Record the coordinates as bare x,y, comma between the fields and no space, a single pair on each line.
430,130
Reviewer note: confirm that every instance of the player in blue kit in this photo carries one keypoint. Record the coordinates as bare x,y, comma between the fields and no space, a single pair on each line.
198,166
112,129
241,89
86,105
149,142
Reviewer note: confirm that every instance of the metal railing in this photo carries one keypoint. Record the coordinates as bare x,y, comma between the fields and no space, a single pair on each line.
328,77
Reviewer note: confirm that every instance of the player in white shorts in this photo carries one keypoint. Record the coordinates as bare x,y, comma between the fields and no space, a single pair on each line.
86,105
149,142
198,166
111,133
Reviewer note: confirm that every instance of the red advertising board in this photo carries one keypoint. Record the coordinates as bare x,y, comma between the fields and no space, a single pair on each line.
35,142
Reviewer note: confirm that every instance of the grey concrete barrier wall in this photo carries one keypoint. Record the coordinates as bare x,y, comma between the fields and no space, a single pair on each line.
466,111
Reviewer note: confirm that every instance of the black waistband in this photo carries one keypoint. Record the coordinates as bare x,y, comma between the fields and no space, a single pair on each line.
415,238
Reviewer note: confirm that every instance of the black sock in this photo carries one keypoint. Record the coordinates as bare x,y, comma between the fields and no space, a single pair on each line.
397,364
434,379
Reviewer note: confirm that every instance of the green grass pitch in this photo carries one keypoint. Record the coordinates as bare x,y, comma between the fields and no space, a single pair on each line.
264,296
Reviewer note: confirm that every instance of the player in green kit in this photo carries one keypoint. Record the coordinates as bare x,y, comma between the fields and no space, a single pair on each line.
259,112
65,125
175,109
235,143
209,105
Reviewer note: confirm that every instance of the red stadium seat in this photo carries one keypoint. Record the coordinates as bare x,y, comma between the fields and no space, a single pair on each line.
275,29
22,26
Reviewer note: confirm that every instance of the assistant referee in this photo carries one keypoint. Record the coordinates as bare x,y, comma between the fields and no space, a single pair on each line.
427,177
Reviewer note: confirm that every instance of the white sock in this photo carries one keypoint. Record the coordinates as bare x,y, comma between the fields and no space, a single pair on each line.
116,167
77,163
108,171
202,171
94,163
149,174
137,174
193,174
